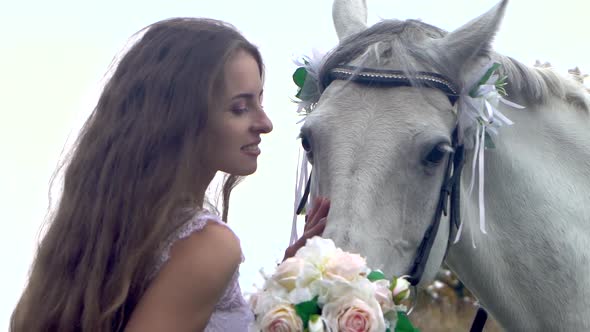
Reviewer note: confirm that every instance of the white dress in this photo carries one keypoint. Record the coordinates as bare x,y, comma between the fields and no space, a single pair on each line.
231,313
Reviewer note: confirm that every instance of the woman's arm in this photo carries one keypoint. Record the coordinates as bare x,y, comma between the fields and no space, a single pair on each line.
183,295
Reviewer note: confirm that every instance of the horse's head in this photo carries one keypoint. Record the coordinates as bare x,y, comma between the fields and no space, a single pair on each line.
379,149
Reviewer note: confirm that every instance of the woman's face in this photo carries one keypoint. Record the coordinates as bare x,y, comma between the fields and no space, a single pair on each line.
234,128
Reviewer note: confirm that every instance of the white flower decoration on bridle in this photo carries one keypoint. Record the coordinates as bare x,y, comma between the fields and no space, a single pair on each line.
306,77
478,113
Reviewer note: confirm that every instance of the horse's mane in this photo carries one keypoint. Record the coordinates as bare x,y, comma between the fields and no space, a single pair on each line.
401,42
537,84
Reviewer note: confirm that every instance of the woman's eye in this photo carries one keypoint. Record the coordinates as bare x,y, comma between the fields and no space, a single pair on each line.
437,154
239,111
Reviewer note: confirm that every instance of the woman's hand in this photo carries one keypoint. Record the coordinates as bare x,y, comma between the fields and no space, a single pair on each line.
315,222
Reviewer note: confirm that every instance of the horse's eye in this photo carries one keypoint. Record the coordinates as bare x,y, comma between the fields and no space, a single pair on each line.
305,143
437,154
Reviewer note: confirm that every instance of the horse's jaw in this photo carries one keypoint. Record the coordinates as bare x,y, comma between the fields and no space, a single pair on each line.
380,245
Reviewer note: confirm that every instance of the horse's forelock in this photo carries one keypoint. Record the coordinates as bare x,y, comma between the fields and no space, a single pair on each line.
388,39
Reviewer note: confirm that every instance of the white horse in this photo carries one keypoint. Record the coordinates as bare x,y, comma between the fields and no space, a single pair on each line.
379,153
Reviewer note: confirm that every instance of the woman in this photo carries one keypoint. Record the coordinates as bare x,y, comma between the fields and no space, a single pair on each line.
132,246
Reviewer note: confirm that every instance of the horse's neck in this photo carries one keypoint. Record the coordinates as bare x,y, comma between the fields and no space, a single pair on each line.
531,269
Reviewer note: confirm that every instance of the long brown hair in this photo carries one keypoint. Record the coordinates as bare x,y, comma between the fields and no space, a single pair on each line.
135,164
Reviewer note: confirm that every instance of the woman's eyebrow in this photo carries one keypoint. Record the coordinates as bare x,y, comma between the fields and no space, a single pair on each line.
247,95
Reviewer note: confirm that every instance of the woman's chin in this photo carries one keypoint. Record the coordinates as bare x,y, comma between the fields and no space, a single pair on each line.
243,170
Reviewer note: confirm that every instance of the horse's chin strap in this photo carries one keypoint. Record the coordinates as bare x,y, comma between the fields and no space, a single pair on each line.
305,196
450,191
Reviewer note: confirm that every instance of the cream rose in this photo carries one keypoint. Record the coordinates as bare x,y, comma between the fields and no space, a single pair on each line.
349,314
282,318
287,272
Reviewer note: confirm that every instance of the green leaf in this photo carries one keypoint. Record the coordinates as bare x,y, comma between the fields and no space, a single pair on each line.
306,309
299,76
489,73
298,95
376,275
483,79
403,323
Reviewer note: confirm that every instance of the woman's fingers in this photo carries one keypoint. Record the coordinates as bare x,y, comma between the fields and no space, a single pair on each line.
320,211
316,230
315,223
310,215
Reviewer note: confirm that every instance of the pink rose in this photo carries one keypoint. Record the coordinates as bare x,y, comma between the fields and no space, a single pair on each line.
349,314
345,266
282,318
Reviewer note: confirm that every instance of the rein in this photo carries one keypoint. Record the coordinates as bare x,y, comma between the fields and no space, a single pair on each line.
450,189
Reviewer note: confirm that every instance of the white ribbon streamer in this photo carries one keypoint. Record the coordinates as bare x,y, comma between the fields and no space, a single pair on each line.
479,113
301,177
482,210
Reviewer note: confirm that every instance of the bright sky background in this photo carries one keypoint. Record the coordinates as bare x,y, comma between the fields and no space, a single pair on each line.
54,55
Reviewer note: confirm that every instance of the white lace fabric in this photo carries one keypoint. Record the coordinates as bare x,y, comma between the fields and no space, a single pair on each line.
231,313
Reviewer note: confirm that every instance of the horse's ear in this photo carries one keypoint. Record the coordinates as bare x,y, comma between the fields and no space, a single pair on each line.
350,17
474,38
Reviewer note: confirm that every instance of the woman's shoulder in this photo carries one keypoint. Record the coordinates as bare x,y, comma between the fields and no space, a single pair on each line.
199,268
203,230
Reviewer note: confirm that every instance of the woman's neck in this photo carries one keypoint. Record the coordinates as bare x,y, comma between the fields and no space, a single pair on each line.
204,181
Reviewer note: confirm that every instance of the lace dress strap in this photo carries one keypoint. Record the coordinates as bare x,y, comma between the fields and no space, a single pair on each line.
199,220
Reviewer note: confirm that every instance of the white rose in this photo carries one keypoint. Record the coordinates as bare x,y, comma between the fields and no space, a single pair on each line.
317,250
361,288
299,295
310,272
282,318
384,295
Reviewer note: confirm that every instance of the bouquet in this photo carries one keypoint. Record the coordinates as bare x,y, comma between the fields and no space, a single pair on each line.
323,288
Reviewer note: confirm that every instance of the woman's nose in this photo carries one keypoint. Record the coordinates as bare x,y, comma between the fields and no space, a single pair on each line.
263,124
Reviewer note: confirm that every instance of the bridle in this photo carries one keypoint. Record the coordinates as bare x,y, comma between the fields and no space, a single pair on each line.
450,189
452,176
